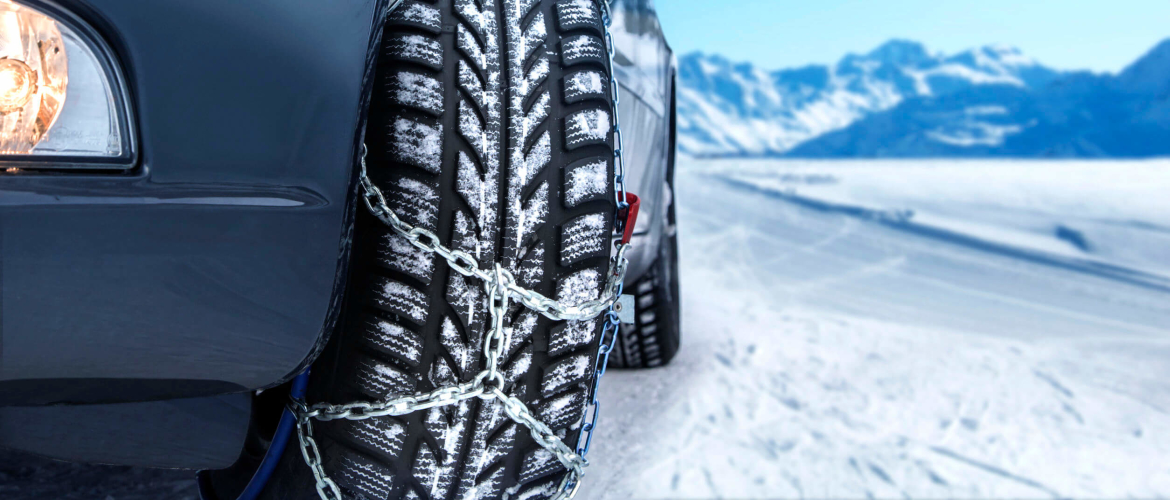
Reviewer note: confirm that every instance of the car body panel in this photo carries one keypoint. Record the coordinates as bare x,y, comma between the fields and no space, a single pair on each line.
217,258
644,68
188,433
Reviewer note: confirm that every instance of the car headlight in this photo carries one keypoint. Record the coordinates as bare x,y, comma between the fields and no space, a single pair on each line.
62,100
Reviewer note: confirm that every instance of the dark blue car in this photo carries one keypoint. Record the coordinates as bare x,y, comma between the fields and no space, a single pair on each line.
233,233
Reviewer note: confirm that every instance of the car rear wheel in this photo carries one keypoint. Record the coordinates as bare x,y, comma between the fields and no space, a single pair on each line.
653,339
490,125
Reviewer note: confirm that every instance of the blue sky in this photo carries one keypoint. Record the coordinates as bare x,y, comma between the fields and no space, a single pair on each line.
1100,35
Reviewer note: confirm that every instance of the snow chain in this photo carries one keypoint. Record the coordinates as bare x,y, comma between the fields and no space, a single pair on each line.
501,288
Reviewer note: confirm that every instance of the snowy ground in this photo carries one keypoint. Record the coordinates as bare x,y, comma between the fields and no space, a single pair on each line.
1109,214
837,346
858,329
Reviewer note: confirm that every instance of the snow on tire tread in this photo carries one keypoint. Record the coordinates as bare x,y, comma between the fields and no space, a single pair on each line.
467,140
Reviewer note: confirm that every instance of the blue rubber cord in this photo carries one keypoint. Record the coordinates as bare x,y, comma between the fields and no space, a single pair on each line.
284,430
271,458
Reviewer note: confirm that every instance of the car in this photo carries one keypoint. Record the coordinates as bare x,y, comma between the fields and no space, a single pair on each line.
239,237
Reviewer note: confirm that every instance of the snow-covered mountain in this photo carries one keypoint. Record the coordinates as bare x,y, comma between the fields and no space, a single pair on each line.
1077,115
736,109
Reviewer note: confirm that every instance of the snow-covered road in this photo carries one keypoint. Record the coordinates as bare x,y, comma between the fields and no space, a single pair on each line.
830,354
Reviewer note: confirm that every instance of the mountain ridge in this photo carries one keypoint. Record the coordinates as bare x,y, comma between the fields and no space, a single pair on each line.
902,100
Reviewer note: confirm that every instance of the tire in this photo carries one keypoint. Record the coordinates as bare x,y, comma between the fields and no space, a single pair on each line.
489,126
653,339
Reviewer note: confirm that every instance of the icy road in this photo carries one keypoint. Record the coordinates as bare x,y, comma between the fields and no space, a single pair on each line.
831,352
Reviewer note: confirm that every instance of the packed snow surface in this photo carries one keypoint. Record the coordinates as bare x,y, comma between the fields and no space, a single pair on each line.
1102,212
909,329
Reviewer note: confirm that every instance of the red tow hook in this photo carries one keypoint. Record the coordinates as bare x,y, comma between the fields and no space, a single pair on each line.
629,216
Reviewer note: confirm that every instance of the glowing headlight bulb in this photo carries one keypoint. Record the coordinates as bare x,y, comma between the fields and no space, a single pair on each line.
33,76
17,84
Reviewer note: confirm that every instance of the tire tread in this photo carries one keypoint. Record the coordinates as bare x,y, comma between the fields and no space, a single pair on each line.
465,140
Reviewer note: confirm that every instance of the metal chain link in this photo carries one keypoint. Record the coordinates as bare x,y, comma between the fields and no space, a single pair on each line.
501,287
619,164
609,332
